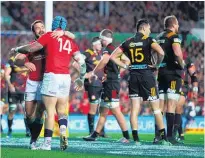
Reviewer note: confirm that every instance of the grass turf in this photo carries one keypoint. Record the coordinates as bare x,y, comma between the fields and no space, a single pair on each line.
23,152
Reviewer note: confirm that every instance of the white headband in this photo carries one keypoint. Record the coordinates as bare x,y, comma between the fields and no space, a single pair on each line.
96,42
106,38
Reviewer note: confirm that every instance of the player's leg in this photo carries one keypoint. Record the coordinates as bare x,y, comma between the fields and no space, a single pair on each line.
49,92
173,95
178,118
94,94
50,106
62,111
134,112
116,111
63,82
149,92
135,105
100,124
12,109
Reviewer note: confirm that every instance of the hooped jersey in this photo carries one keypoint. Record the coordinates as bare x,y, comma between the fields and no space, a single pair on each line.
111,69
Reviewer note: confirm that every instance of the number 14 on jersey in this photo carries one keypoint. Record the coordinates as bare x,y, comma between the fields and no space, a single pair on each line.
65,45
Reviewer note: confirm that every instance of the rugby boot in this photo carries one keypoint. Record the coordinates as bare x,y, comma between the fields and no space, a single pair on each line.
123,140
63,142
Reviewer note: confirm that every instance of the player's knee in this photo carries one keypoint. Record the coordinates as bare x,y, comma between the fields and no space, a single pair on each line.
173,96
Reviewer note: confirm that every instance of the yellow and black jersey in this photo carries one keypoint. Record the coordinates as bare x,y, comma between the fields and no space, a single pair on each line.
138,50
167,39
92,59
18,74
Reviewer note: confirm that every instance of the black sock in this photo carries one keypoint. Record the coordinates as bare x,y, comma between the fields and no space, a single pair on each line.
35,129
126,134
170,123
63,121
91,119
94,134
48,133
135,135
177,122
10,122
162,134
156,131
26,125
180,129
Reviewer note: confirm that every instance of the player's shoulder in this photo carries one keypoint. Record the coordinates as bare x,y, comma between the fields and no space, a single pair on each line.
89,51
110,47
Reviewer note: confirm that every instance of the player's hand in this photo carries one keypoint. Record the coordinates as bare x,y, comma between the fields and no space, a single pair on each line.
12,88
57,34
30,66
79,83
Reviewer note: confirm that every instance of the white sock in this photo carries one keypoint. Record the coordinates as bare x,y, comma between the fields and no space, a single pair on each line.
47,140
63,129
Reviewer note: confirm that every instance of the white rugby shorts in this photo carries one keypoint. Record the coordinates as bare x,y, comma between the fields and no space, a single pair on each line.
56,85
33,90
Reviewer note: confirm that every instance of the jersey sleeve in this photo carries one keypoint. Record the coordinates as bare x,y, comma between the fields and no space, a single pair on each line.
176,40
44,39
75,47
152,40
123,46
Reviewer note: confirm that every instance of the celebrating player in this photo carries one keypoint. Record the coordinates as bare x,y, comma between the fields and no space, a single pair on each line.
56,80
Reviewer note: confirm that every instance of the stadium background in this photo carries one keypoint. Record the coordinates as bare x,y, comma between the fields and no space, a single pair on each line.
87,19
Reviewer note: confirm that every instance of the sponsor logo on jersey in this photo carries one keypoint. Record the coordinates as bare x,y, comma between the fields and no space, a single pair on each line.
132,44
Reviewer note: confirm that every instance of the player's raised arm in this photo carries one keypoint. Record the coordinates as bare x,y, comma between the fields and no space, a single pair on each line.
58,33
34,47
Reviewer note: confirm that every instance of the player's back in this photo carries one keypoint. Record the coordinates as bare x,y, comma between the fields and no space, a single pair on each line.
58,53
138,50
166,39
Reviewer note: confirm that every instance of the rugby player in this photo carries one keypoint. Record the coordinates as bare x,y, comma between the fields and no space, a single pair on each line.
15,77
190,70
169,75
35,62
93,87
111,88
56,81
142,83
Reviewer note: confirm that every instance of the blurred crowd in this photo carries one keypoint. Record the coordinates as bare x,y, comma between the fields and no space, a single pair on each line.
122,17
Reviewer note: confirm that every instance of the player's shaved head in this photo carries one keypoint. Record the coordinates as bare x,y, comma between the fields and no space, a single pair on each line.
169,21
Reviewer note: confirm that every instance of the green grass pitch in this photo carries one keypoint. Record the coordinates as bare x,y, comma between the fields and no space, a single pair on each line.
17,147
